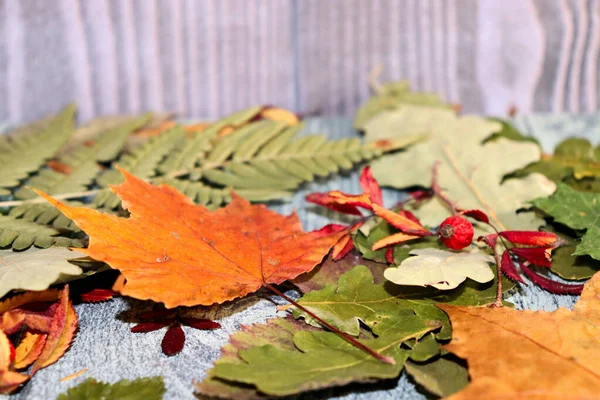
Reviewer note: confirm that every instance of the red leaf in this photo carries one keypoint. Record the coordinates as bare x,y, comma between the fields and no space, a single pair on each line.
170,314
490,240
370,186
405,224
329,229
202,324
477,215
536,255
173,341
509,269
325,200
409,215
342,248
549,284
389,255
530,238
97,295
421,195
149,326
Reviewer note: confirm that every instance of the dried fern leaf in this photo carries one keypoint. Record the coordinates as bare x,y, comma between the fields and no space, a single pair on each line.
21,234
23,153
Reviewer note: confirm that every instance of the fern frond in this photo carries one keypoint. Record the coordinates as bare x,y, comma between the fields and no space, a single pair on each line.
20,234
83,162
23,153
141,163
265,155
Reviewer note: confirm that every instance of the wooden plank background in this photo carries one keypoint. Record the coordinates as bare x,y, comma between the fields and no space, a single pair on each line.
206,58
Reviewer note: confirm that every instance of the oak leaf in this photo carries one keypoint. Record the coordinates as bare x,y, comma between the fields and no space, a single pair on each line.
472,170
35,269
441,269
139,389
556,354
182,254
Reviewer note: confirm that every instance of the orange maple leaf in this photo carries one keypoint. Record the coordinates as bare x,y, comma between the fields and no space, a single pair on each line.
181,254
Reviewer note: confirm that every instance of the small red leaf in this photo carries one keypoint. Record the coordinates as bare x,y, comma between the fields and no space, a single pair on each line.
394,239
148,327
97,295
389,255
409,215
202,324
549,284
421,195
490,240
328,230
325,200
531,238
173,341
405,224
370,186
540,256
509,269
167,314
342,248
477,215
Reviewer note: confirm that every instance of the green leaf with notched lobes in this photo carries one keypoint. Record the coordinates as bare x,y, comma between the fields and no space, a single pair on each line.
316,360
25,152
579,211
441,377
356,299
138,389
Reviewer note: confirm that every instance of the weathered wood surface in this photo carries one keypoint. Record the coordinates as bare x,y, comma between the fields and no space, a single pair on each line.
211,57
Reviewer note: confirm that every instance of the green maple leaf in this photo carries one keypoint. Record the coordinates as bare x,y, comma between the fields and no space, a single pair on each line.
316,359
139,389
578,211
472,169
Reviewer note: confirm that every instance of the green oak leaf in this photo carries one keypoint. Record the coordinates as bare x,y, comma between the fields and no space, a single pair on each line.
578,211
470,293
508,131
425,349
567,266
573,157
442,377
355,299
36,269
320,360
138,389
471,170
441,269
393,95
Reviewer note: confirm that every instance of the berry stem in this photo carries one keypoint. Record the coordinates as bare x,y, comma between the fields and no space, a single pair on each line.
498,302
343,335
437,189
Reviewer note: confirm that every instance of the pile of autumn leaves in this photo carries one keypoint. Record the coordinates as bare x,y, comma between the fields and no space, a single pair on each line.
401,280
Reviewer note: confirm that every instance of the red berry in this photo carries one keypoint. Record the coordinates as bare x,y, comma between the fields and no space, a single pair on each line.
456,233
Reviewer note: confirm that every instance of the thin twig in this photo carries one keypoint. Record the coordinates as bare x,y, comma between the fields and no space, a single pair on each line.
498,302
351,340
437,189
64,196
374,79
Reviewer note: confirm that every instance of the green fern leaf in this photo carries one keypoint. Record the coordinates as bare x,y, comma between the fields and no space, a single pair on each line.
83,162
21,234
141,163
265,155
26,151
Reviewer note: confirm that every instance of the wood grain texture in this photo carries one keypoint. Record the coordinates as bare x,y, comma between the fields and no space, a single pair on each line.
211,57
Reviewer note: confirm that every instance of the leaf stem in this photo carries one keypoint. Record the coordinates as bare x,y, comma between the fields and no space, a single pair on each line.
63,196
343,335
437,189
498,302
